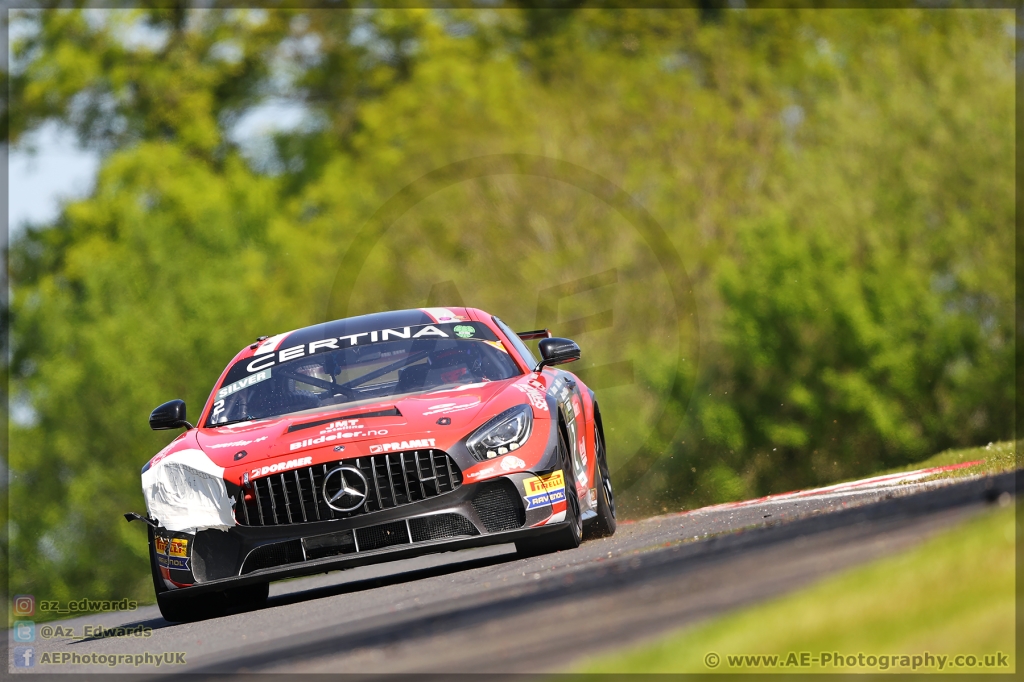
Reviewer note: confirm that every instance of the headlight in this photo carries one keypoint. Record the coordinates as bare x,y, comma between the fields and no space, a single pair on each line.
502,434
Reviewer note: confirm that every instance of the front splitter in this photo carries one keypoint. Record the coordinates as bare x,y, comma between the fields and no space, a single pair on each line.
366,558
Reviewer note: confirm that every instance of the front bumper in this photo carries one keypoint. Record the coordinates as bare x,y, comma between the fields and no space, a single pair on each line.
473,515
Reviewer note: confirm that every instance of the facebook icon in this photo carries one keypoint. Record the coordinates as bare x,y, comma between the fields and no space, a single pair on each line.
24,657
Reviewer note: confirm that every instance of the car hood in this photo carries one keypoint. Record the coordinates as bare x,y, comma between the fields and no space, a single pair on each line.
412,416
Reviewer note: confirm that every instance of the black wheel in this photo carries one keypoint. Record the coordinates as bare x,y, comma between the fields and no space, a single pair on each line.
186,609
604,523
182,609
569,536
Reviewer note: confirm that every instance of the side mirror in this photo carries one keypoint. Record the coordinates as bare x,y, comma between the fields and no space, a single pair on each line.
170,415
556,351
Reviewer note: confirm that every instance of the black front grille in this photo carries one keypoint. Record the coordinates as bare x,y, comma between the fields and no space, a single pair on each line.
382,535
440,526
499,506
394,478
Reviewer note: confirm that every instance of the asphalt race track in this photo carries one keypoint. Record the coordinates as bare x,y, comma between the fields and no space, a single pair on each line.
489,611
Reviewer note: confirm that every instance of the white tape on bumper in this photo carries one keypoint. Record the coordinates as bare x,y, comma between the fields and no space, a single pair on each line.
185,492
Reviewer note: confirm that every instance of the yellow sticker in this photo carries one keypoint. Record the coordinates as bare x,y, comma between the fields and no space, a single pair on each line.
544,490
496,344
161,545
179,547
535,485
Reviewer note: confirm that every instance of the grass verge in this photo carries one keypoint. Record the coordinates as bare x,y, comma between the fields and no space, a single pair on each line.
995,458
951,596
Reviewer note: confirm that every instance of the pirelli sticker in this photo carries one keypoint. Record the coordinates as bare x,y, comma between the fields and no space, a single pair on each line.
541,491
172,554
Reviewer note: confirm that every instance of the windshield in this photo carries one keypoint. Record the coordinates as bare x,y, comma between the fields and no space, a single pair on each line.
358,367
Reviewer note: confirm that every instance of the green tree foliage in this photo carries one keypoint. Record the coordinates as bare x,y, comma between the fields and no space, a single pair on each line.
838,185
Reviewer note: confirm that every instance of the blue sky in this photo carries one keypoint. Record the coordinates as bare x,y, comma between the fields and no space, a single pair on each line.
37,182
48,167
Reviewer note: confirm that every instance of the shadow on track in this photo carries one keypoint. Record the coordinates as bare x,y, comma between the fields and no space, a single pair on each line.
345,588
153,623
599,578
395,579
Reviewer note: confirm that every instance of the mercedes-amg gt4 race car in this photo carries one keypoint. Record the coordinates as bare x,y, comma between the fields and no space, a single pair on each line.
371,439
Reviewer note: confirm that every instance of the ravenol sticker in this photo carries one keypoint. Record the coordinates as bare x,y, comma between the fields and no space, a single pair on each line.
464,331
544,490
179,563
248,381
177,557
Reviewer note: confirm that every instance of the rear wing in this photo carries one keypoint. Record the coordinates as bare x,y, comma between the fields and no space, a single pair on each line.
536,334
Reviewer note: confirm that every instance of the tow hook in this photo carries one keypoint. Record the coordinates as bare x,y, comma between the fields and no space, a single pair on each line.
133,516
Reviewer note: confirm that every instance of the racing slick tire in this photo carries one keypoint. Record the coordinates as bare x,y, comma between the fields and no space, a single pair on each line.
604,523
569,536
189,609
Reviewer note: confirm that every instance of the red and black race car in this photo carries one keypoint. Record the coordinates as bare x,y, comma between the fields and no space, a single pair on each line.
371,439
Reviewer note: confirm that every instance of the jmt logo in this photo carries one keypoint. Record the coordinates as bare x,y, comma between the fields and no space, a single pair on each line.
341,426
404,445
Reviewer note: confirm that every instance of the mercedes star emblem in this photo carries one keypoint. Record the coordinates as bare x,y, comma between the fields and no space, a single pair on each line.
350,489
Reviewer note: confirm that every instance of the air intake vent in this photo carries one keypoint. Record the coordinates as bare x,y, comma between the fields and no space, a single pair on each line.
383,535
277,554
499,506
390,412
440,527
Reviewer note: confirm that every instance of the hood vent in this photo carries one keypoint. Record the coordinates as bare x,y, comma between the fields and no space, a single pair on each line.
391,412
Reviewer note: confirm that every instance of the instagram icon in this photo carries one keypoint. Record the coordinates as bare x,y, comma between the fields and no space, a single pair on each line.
24,605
